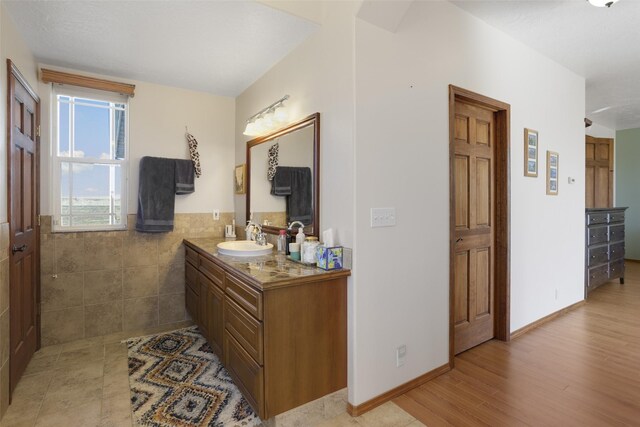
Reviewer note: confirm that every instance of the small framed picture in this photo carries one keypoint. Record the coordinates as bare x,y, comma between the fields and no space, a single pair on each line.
553,161
239,179
530,152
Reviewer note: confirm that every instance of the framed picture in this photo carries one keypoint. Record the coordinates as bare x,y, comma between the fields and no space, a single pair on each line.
240,179
530,152
552,173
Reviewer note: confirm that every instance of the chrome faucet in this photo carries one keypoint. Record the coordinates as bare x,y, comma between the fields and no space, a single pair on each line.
296,222
255,233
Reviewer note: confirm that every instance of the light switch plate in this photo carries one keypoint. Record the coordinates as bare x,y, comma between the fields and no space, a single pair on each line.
383,217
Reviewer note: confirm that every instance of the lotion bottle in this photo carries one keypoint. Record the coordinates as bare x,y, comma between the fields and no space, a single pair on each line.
300,236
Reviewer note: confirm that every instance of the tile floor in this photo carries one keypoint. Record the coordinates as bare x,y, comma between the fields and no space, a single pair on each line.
85,384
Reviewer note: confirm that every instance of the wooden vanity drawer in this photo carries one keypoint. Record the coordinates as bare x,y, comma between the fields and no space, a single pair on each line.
246,373
597,218
616,233
598,255
598,234
191,276
212,271
598,275
191,255
616,217
616,251
247,297
244,328
616,269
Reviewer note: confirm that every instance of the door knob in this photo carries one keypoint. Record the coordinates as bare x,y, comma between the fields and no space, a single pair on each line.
15,249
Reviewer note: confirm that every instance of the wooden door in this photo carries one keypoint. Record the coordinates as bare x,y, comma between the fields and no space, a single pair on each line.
474,222
599,172
23,189
215,301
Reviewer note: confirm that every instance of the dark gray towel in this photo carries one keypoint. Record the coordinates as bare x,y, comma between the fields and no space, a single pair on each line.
160,180
296,184
156,195
185,177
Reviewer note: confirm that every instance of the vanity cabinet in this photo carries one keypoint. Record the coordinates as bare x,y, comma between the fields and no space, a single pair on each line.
604,252
279,328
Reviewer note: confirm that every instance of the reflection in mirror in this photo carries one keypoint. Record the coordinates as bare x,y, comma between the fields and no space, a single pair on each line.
283,177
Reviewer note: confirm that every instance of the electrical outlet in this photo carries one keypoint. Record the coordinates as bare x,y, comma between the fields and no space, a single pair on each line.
401,354
383,217
216,214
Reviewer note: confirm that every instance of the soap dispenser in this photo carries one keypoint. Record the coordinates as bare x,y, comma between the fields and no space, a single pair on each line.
300,236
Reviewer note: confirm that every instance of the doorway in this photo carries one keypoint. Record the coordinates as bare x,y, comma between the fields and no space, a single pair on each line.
479,220
23,189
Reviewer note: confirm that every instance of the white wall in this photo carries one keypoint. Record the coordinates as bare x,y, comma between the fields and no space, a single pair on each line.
599,131
402,158
318,75
12,46
158,116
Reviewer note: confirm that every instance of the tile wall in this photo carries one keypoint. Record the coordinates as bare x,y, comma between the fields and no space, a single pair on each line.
99,283
4,317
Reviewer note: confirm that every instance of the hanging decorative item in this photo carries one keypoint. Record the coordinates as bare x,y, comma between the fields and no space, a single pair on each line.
193,152
273,161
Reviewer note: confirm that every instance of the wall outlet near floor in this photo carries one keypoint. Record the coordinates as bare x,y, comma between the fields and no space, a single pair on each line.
401,354
216,214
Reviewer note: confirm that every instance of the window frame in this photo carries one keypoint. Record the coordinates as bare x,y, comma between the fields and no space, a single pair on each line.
57,161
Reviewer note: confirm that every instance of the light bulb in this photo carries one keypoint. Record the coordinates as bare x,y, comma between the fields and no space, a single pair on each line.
281,115
250,130
268,121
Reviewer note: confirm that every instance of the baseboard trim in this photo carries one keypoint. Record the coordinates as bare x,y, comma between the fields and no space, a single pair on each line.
545,319
360,409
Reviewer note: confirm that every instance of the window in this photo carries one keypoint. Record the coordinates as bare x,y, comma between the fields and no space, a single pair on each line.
89,159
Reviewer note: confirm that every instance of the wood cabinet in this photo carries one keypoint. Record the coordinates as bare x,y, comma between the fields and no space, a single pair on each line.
604,253
598,172
284,342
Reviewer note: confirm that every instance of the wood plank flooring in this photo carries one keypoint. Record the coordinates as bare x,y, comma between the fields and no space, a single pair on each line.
580,369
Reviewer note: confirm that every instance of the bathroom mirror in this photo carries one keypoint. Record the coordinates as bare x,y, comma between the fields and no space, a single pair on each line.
283,176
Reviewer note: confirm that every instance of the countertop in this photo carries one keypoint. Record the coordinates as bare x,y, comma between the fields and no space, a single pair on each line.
264,272
605,209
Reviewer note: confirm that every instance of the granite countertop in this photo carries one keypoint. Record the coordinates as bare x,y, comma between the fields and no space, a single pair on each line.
268,271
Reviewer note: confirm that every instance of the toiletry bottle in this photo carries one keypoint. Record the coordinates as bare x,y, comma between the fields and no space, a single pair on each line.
300,236
282,242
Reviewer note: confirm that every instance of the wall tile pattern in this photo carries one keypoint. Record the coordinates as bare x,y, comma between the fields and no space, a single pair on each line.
100,283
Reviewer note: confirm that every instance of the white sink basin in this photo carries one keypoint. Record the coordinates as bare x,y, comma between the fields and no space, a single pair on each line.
244,248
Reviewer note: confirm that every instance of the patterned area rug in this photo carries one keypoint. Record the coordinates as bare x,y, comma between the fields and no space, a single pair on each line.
176,380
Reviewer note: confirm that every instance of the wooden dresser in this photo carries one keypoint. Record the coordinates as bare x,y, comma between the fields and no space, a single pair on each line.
604,254
279,328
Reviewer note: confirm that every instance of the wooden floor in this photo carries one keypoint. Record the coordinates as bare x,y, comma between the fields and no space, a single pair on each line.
580,369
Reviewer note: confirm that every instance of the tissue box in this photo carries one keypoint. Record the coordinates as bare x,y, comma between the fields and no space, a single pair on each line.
329,258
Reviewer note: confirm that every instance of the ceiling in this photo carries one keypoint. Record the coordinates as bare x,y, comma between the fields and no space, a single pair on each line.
601,44
220,47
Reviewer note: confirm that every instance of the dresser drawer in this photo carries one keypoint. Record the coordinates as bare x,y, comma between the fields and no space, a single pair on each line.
616,233
597,234
598,275
597,218
246,373
616,269
191,255
244,328
191,276
616,251
244,295
212,271
616,217
598,255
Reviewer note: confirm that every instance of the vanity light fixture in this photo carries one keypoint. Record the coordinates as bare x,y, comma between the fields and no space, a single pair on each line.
267,119
602,3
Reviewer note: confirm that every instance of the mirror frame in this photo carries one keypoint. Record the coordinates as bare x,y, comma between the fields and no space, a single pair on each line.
313,120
